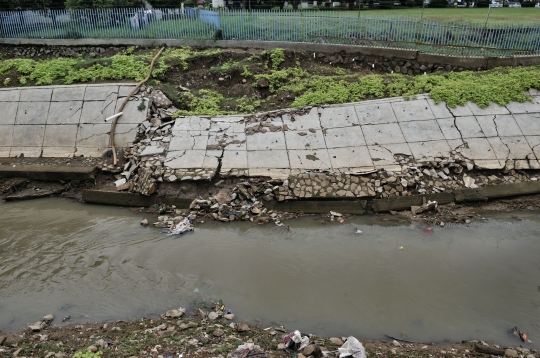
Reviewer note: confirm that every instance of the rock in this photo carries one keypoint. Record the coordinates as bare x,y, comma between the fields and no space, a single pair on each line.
336,340
229,316
92,349
173,178
116,329
102,343
511,353
160,100
263,83
144,222
213,316
312,350
218,332
281,347
175,313
393,351
48,318
242,327
396,343
36,327
16,353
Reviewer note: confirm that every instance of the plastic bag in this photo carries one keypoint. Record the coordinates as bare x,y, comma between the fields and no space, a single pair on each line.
352,347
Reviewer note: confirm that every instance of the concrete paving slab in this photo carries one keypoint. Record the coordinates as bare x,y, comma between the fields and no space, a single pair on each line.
415,110
469,127
383,134
265,141
101,93
10,95
528,123
375,113
229,141
153,150
510,147
477,148
448,128
65,112
227,124
27,152
489,164
28,136
125,90
310,159
6,135
304,140
504,124
460,111
534,92
185,159
356,157
191,123
534,143
493,108
344,137
58,152
93,135
523,107
124,134
69,93
36,95
417,131
32,113
211,159
234,159
8,112
131,113
303,122
440,110
335,117
430,149
270,172
192,140
278,159
383,156
95,112
60,135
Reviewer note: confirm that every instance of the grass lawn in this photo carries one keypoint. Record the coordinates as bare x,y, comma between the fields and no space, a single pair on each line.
505,15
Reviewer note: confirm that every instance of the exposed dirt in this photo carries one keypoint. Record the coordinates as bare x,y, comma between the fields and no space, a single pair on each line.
194,335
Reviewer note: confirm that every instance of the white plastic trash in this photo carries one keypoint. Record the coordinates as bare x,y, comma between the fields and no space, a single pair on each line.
352,347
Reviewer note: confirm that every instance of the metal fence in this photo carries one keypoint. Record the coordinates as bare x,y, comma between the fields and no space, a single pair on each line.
348,27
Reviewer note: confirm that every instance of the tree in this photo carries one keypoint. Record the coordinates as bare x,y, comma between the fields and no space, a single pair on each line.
101,4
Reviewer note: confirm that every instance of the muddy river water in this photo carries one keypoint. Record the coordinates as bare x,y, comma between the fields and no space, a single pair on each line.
96,263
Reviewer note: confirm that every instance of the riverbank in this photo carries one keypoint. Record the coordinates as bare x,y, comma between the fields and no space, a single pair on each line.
204,333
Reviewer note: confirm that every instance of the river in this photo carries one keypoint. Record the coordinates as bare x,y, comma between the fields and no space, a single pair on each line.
96,263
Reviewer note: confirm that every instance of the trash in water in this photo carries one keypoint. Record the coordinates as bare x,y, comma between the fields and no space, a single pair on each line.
228,311
65,318
352,347
521,335
357,231
196,289
333,213
401,248
427,230
341,220
180,228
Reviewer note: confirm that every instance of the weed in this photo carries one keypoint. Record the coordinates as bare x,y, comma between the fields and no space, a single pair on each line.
87,354
141,107
205,102
277,57
247,105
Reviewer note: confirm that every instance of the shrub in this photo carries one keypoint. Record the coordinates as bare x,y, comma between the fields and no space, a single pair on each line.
482,3
411,3
438,3
528,4
386,4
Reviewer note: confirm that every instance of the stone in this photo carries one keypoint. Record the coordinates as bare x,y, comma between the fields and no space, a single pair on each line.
336,341
144,222
218,332
242,327
229,316
281,347
174,313
36,327
48,318
160,100
92,349
511,353
396,343
16,353
213,316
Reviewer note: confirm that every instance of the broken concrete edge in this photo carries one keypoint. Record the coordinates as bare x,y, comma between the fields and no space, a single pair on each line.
46,173
462,61
321,206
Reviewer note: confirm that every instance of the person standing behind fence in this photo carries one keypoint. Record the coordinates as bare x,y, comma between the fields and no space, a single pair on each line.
148,15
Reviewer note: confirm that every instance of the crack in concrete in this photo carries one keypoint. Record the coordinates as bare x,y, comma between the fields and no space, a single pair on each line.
495,124
457,128
176,156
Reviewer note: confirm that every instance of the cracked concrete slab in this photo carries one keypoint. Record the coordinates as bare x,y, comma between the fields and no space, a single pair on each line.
511,147
383,155
191,123
460,111
185,159
448,128
28,136
468,127
234,159
27,152
94,112
493,108
93,135
227,124
375,113
189,140
504,124
298,140
131,112
101,92
440,110
302,122
60,135
477,148
528,123
430,149
344,137
65,112
335,117
6,135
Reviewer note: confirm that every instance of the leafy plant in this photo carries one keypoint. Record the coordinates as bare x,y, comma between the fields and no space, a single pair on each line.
247,105
87,354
